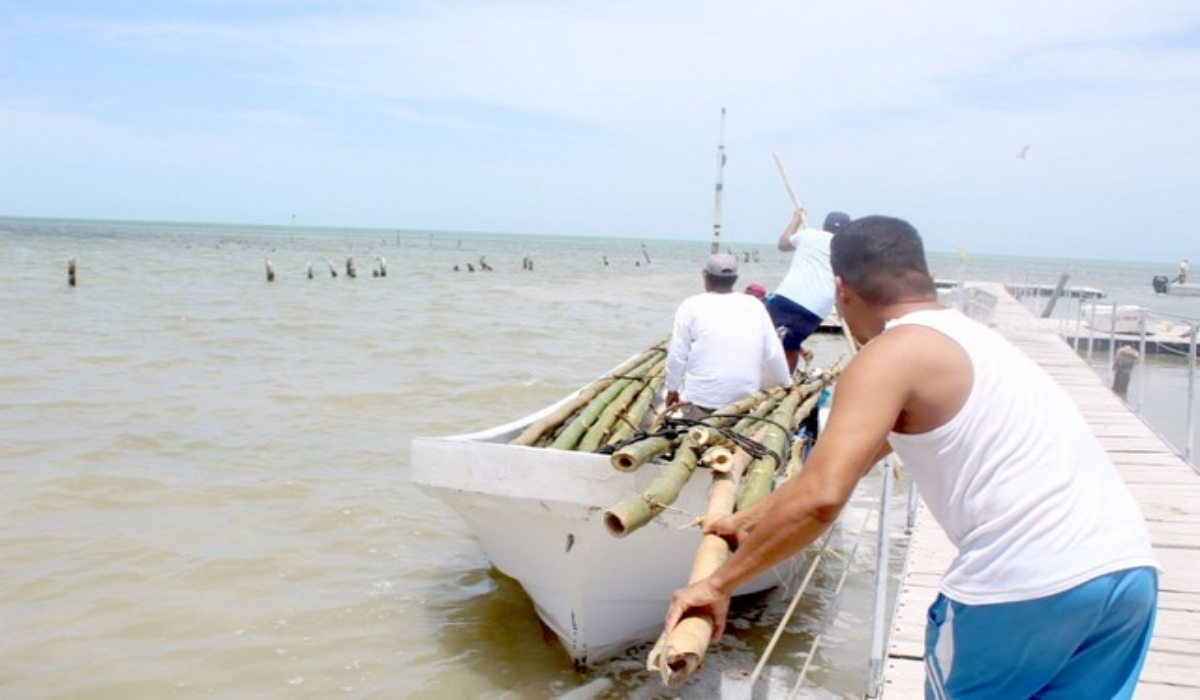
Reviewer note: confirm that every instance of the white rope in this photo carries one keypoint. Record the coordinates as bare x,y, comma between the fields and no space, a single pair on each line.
812,652
787,616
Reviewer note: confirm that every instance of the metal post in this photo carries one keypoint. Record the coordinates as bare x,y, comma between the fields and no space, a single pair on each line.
1091,330
910,519
1078,327
1141,392
1112,343
880,621
1191,400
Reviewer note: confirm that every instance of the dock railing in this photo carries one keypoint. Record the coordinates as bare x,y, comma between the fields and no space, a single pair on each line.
1174,336
1100,330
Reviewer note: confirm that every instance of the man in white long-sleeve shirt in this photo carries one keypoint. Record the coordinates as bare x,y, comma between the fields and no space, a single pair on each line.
723,346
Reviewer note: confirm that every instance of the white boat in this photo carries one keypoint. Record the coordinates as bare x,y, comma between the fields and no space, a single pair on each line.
1163,285
1110,318
538,514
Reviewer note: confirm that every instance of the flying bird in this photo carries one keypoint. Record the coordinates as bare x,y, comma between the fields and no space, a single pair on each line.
1024,153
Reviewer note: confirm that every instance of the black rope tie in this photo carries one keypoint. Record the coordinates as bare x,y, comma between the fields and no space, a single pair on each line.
675,427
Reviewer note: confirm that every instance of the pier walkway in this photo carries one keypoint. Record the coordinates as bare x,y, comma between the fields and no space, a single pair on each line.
1167,488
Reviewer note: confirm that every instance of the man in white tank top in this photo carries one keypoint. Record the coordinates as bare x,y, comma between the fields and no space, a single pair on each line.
1054,588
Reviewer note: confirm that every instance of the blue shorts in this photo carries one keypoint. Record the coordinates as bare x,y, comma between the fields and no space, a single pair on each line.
794,322
1086,642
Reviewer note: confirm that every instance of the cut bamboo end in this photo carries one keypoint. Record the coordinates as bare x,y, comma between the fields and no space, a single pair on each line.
615,524
624,462
676,658
719,459
699,435
634,455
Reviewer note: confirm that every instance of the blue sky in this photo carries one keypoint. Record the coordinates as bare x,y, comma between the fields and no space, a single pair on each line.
602,118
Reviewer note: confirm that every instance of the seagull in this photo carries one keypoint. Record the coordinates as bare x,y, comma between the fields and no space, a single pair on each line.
1024,154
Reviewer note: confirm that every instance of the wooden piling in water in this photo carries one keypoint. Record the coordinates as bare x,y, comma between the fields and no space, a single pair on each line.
71,272
1058,290
1123,364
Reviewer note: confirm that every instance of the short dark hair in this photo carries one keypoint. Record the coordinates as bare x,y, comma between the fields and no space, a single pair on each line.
882,259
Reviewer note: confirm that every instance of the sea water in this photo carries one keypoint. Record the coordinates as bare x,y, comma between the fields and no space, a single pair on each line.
205,473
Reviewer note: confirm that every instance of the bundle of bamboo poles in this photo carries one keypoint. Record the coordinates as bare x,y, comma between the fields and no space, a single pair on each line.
616,413
608,411
749,478
763,426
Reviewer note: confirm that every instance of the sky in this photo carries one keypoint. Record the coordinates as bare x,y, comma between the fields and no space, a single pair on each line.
604,118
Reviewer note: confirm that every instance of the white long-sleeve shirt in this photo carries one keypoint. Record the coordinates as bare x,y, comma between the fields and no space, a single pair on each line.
723,348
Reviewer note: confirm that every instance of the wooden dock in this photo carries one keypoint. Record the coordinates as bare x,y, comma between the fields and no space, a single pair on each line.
1167,488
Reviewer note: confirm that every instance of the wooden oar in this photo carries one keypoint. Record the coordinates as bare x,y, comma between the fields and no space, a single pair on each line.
788,185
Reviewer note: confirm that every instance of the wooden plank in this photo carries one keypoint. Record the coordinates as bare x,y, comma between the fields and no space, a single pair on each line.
1147,690
903,679
1180,670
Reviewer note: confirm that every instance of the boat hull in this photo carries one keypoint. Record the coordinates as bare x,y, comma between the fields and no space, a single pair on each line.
1107,318
1187,290
538,516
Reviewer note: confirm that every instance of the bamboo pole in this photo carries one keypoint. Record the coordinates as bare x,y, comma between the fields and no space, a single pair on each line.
751,421
635,454
537,429
578,425
639,509
762,470
795,460
629,422
788,185
678,655
623,404
718,458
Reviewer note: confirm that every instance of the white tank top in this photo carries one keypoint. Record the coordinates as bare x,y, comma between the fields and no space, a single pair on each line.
1018,481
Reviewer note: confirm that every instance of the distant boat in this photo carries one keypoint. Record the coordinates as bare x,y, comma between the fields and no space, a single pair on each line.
1109,318
1164,285
539,514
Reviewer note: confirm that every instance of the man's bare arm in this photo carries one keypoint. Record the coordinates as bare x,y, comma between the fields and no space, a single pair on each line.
868,399
785,238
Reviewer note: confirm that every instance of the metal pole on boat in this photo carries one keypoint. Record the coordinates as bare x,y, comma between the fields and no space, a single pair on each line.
716,239
880,621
